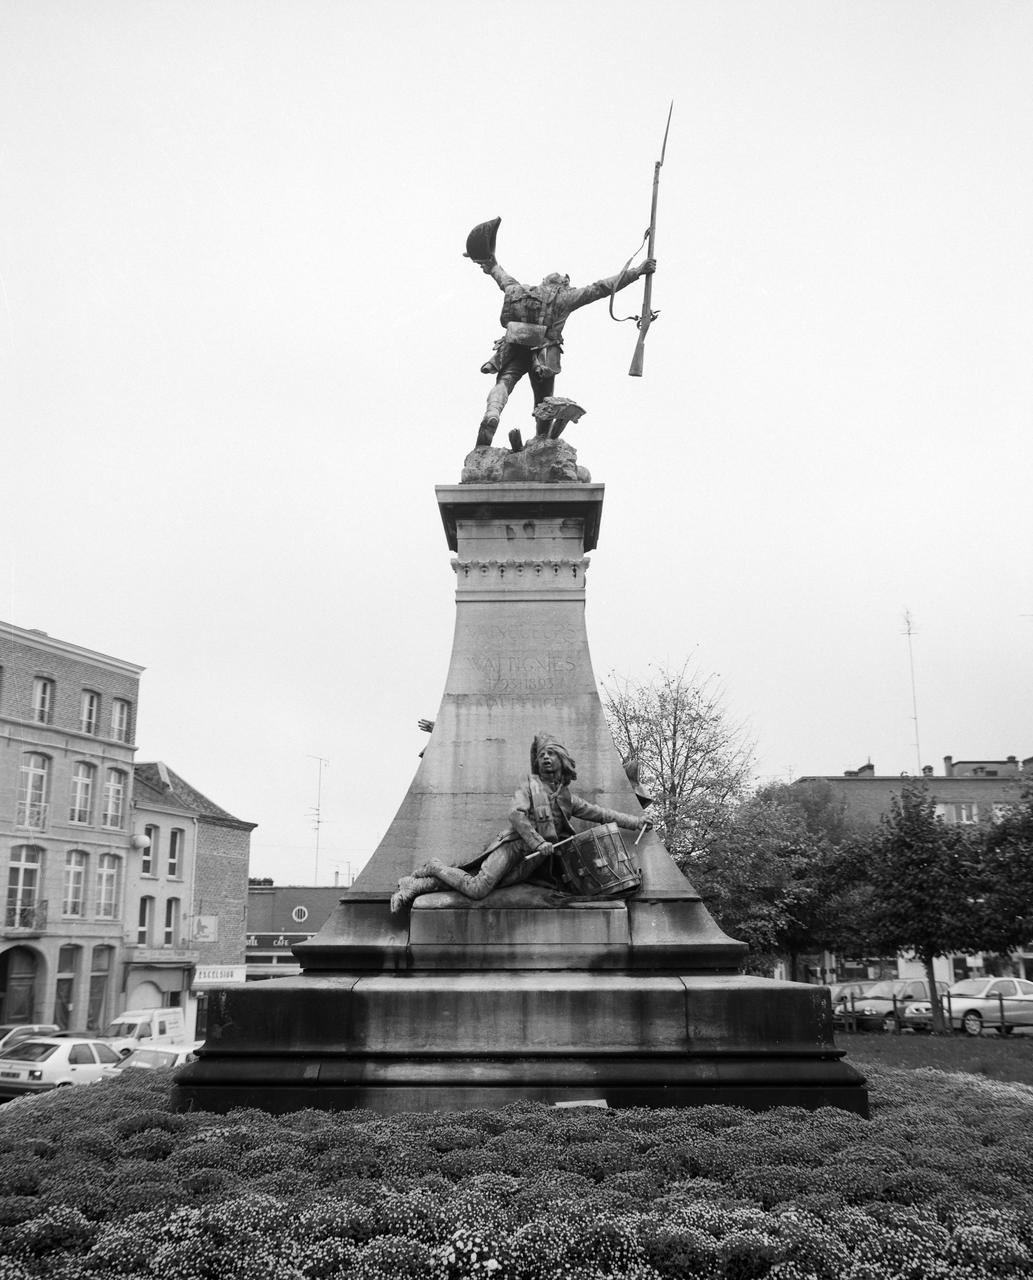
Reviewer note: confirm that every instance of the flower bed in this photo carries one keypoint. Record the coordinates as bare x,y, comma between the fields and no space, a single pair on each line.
106,1182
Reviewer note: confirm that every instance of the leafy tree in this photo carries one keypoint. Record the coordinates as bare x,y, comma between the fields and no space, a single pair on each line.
1006,901
759,874
692,761
924,882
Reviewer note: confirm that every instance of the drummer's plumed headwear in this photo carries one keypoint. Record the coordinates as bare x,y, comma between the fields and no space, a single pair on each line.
543,740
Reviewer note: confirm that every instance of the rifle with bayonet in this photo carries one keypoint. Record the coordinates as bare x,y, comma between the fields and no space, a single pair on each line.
648,314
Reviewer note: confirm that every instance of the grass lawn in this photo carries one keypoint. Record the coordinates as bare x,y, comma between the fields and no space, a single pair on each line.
991,1057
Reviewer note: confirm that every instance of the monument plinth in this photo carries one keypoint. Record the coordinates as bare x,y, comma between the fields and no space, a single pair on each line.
462,1003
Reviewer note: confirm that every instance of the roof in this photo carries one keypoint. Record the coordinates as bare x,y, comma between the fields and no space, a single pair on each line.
163,784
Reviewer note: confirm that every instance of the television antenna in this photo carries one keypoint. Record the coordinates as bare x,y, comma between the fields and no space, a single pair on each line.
317,815
909,629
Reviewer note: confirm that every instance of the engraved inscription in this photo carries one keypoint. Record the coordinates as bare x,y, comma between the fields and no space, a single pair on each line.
523,660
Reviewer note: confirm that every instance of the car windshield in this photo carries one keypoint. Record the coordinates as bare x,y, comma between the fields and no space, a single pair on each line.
883,991
31,1051
969,987
121,1029
149,1058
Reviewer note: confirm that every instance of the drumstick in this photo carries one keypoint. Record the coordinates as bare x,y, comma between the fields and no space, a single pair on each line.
641,832
534,852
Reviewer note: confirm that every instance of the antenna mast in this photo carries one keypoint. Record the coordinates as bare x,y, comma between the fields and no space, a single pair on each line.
316,812
909,631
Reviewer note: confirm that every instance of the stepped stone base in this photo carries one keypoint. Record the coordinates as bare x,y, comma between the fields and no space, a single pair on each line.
450,1041
460,1004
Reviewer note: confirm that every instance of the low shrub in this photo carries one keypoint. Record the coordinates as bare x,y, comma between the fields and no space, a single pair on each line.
106,1183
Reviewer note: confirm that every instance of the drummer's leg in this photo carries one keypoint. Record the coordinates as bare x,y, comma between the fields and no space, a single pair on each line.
409,889
491,872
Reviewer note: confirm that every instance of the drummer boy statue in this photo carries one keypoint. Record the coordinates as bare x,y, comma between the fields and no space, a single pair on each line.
540,818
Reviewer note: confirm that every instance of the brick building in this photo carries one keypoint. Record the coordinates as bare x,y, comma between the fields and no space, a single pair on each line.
124,886
189,887
967,791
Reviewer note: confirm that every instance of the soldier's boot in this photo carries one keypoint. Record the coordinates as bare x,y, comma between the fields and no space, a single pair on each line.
409,889
497,398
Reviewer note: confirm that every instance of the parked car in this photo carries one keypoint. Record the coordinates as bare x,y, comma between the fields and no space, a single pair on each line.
848,993
166,1055
881,1004
975,1003
34,1066
12,1032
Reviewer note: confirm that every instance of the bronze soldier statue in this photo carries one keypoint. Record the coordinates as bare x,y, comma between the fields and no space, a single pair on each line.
540,817
533,316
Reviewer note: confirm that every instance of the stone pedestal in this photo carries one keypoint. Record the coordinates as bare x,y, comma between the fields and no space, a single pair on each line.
460,1005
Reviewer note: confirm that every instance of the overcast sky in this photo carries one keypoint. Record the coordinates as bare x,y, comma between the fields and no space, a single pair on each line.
239,346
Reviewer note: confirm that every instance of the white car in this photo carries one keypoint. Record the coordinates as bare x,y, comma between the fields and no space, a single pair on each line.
34,1066
12,1032
974,1003
164,1055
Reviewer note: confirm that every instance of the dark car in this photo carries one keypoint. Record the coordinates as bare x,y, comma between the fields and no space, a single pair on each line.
882,1004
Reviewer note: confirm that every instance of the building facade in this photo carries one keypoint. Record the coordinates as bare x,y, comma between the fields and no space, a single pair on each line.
67,730
189,890
968,791
280,916
125,887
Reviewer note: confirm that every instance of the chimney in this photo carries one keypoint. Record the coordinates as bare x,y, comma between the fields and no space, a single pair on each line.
927,771
948,766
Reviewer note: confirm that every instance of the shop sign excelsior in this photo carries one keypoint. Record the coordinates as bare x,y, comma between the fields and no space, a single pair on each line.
212,974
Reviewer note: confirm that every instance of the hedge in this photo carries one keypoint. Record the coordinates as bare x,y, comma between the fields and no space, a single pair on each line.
106,1183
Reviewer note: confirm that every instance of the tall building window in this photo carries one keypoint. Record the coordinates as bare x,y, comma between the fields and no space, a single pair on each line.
68,959
89,712
35,787
43,700
75,883
145,921
967,812
171,917
175,853
121,713
23,878
108,868
100,973
81,808
149,860
114,798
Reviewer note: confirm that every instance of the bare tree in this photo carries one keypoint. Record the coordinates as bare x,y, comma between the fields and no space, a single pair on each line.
692,761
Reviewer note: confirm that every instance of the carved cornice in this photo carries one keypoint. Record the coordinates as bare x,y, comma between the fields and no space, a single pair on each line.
567,567
521,577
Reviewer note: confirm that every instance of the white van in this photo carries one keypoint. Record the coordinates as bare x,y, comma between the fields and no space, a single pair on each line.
141,1028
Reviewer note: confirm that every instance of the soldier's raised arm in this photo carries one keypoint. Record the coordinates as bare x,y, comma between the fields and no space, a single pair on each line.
490,267
612,284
